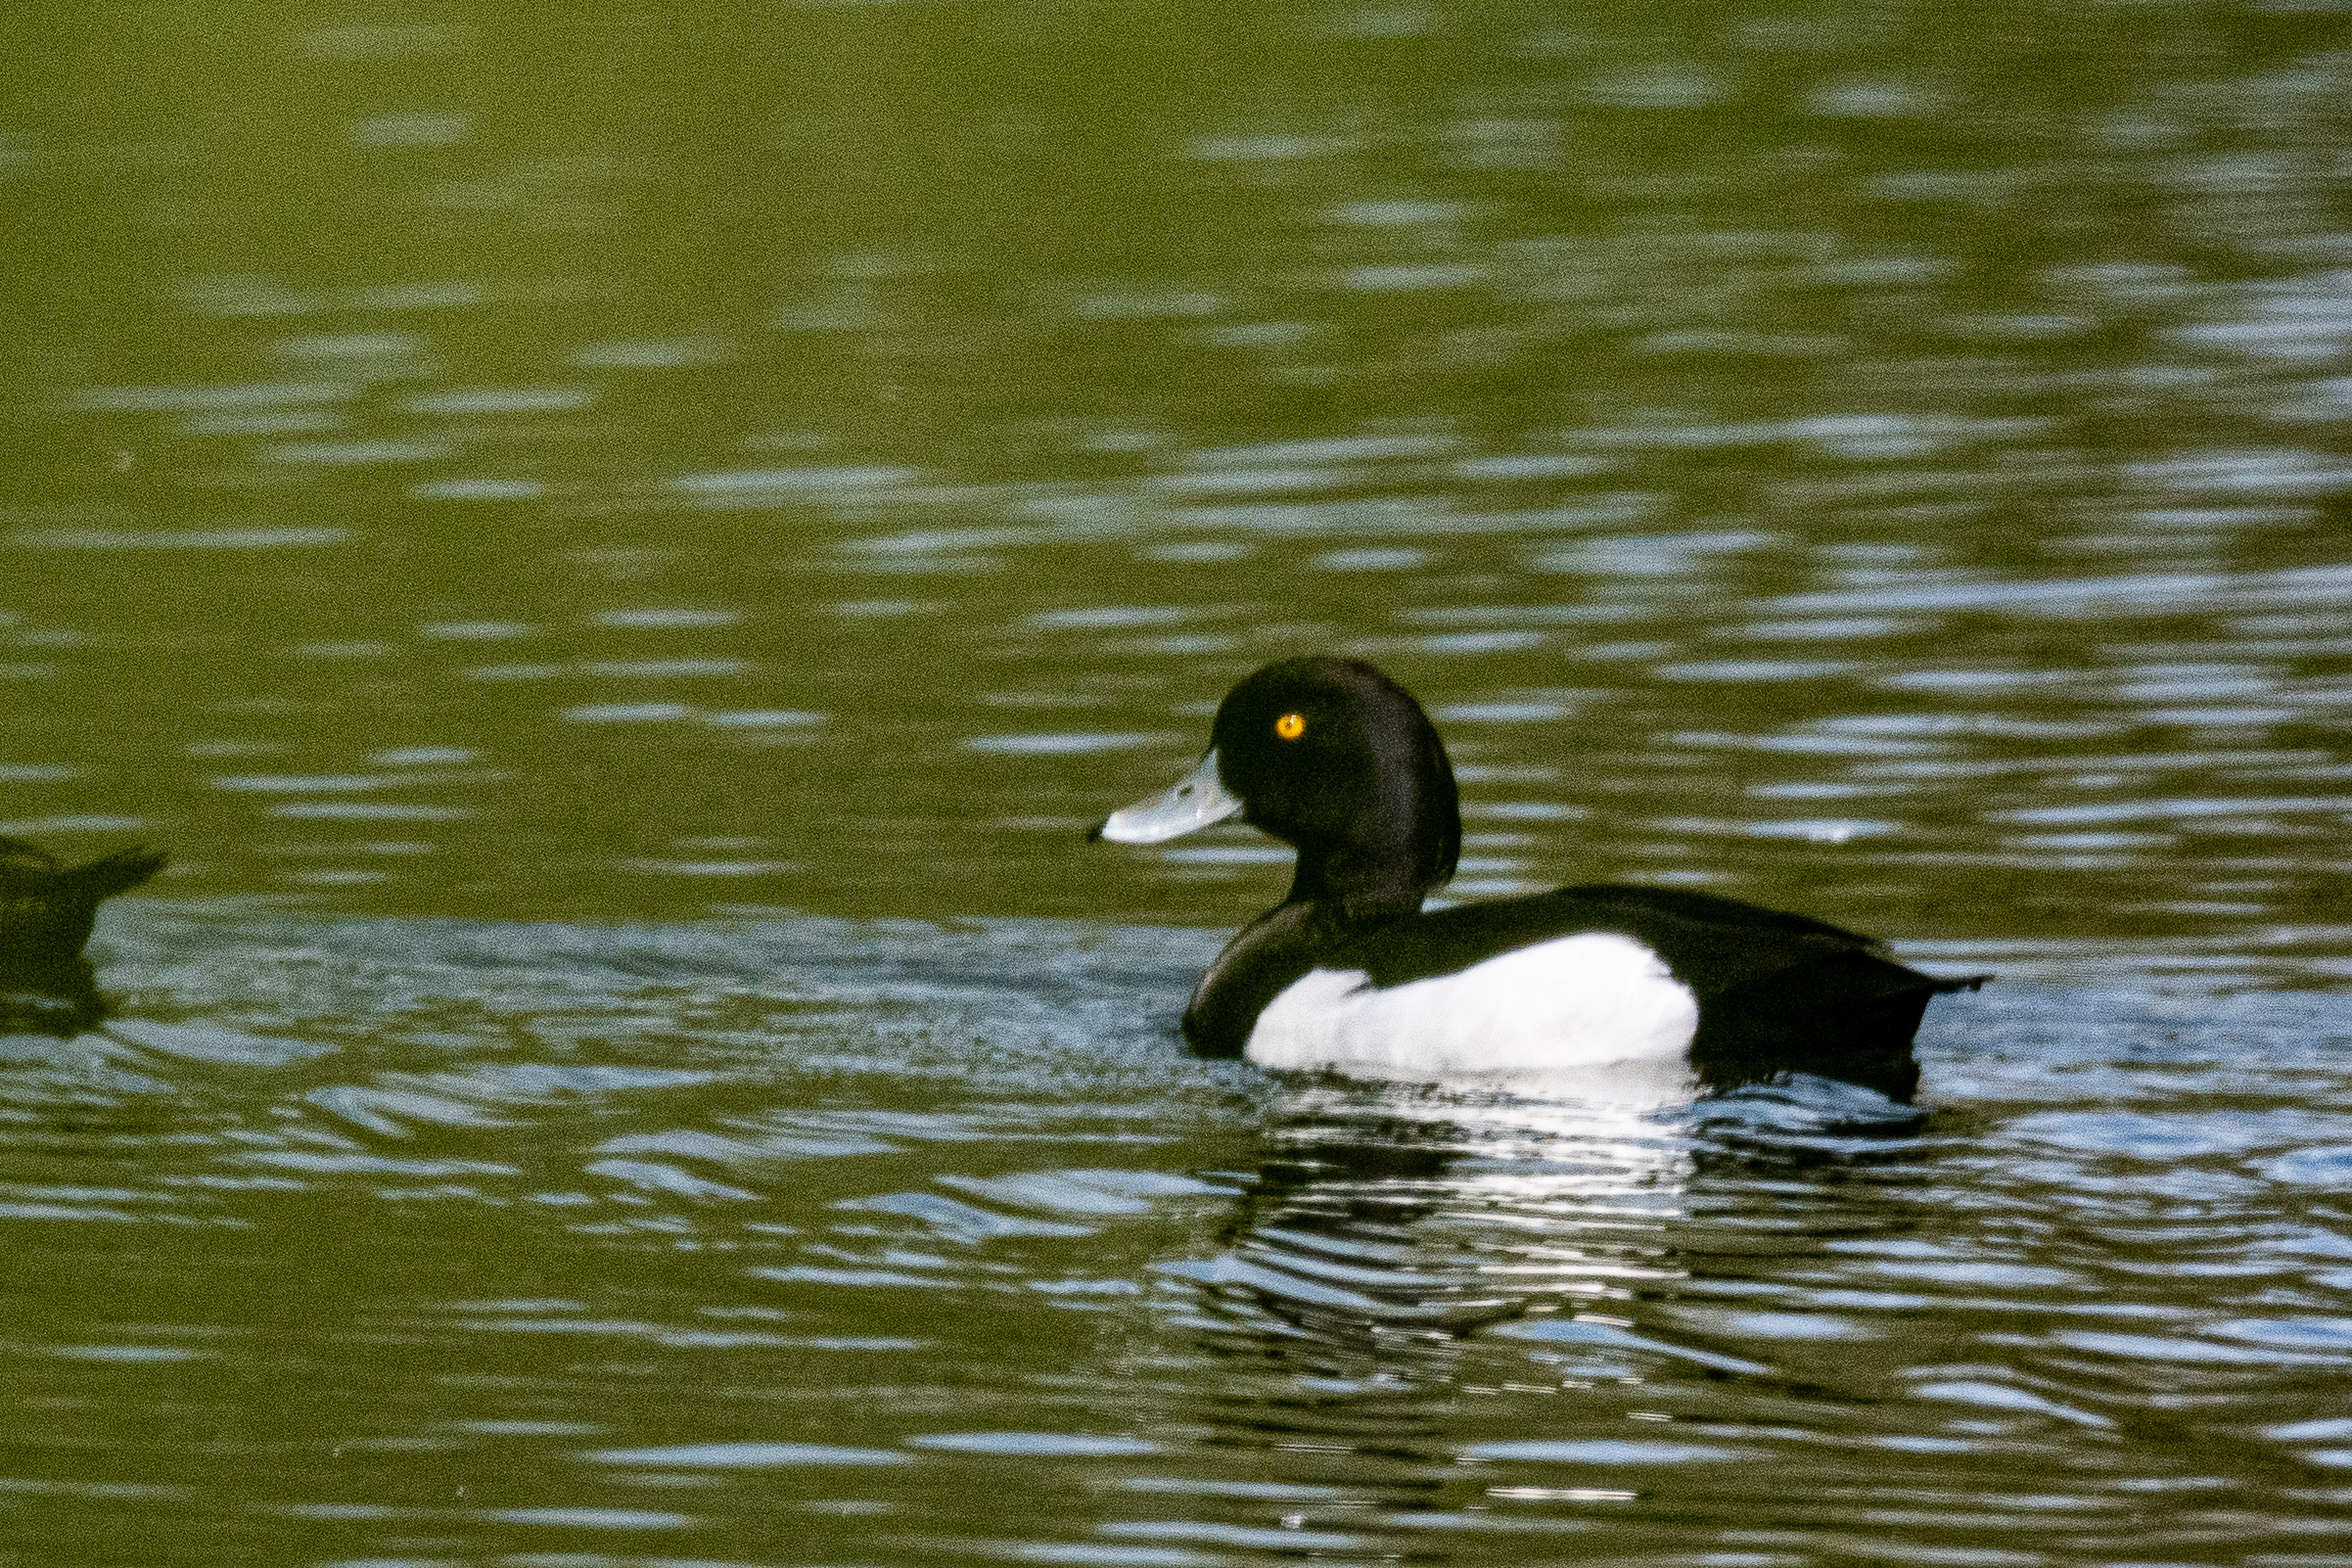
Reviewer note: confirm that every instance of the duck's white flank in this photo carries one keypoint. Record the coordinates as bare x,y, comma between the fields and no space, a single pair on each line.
1557,1008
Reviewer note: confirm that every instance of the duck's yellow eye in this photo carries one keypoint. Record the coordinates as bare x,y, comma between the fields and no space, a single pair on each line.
1290,726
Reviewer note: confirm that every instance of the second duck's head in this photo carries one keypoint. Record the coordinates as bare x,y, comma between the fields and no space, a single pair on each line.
1334,758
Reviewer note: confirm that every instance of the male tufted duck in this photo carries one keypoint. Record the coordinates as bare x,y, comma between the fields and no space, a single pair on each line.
1348,972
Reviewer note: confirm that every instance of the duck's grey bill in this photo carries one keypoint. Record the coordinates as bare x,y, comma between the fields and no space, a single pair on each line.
1194,802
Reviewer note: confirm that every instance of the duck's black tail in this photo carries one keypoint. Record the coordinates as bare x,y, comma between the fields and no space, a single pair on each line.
1851,1017
46,911
109,874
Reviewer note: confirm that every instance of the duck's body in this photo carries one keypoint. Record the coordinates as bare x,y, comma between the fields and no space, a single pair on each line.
1592,976
46,911
1349,974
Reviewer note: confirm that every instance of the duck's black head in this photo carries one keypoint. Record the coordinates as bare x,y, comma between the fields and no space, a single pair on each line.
1333,757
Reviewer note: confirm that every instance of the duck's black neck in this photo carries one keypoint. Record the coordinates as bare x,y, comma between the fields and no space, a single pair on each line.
1334,899
1357,887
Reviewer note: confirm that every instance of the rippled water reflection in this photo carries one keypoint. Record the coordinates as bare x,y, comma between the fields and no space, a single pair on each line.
620,553
399,1241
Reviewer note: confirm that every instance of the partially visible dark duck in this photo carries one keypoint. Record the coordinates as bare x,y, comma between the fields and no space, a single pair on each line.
46,911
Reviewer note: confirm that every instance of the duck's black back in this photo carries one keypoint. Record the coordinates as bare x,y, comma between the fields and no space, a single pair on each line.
1711,943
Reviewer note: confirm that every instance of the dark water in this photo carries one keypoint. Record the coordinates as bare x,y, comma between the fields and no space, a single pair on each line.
620,549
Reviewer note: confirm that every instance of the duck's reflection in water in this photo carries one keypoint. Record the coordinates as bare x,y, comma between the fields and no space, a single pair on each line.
1404,1260
47,910
1407,1207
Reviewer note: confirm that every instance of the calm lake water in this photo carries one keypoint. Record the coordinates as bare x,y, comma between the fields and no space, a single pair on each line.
620,551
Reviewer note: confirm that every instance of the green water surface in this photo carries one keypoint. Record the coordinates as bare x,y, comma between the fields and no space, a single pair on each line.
621,548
